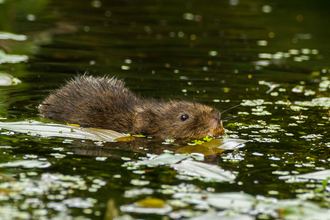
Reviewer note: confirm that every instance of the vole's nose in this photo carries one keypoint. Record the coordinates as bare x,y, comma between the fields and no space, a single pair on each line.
217,117
217,127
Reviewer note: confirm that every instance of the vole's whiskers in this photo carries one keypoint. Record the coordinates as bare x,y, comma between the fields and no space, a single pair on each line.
229,118
230,108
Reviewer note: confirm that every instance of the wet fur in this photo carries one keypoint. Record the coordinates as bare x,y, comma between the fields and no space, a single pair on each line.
104,102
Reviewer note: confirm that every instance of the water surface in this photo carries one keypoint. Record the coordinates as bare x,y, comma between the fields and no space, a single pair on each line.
272,57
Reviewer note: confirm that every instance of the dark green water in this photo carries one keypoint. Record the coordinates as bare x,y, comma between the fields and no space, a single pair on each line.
216,52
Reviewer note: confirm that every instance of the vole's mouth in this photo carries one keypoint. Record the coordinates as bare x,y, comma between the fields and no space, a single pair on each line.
217,129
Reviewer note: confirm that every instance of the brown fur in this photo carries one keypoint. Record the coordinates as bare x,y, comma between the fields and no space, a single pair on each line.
104,102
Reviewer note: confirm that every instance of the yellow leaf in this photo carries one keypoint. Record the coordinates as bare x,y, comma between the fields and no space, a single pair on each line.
76,125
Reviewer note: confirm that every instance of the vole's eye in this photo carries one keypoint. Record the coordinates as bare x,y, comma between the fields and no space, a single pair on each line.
184,117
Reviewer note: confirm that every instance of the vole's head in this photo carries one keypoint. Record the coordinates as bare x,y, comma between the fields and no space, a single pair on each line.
178,119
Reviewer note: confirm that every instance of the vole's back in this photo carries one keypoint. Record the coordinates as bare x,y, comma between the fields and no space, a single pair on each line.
100,102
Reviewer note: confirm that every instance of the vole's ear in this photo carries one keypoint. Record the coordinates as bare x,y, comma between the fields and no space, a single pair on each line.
145,122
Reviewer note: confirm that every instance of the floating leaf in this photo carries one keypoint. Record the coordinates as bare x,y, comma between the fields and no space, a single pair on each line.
8,80
241,203
189,167
26,164
12,58
279,209
222,216
59,130
11,36
150,205
163,159
295,209
204,170
214,146
322,102
125,139
232,200
75,125
318,175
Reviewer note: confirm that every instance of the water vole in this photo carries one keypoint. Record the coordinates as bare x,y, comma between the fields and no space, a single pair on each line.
104,102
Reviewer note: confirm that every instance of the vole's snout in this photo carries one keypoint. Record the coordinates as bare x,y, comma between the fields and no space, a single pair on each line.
217,118
217,125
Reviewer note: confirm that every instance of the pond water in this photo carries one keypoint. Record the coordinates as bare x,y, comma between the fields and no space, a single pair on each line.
269,57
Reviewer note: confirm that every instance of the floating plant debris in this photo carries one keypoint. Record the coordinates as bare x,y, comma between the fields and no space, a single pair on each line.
59,130
8,80
148,206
